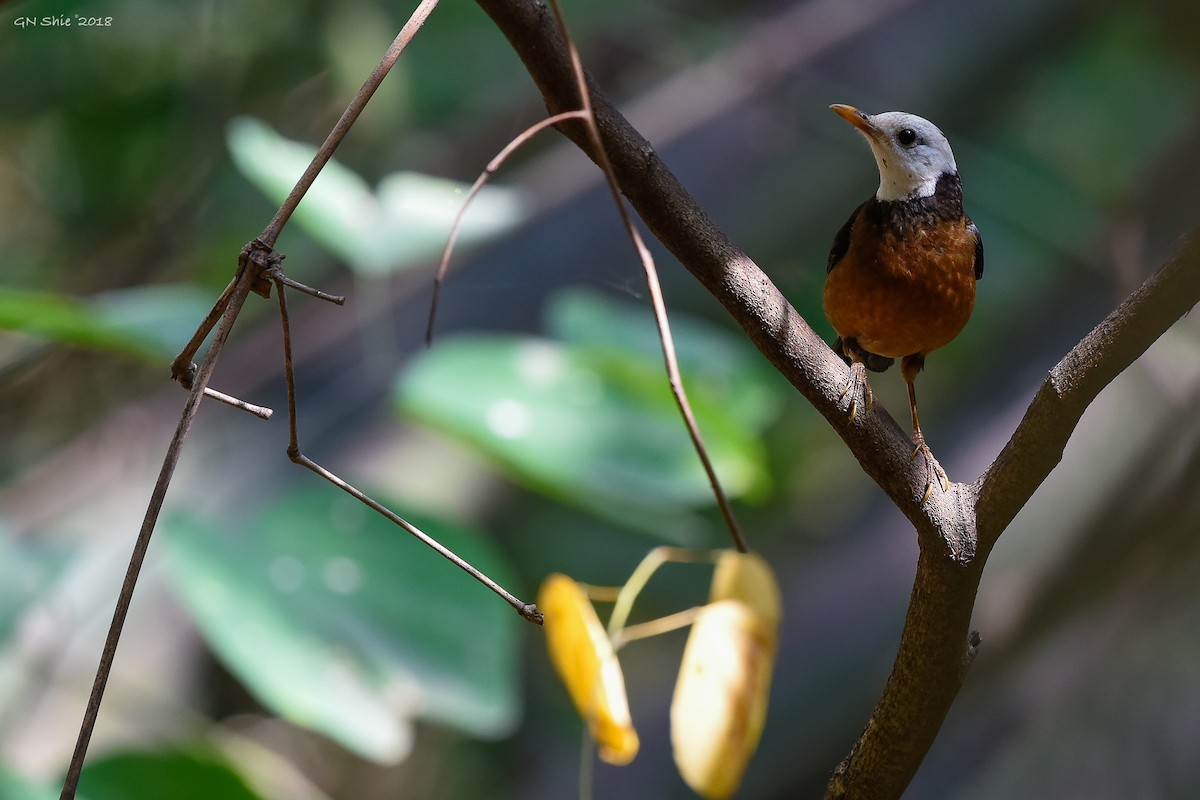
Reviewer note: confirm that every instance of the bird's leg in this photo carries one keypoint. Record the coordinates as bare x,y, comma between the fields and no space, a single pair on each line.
909,367
858,378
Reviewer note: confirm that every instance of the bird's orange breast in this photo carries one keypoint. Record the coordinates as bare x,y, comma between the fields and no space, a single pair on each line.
904,291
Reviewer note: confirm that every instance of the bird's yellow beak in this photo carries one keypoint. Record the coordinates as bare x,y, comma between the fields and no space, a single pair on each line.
858,119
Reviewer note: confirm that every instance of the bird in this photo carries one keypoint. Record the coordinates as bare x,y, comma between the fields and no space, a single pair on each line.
900,280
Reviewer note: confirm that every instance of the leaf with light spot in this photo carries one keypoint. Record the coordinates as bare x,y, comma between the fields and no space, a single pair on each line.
592,422
402,225
341,622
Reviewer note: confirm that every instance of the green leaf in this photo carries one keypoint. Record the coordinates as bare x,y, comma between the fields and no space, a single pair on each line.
179,775
14,787
730,370
339,210
342,622
149,322
66,320
418,211
595,426
160,318
403,226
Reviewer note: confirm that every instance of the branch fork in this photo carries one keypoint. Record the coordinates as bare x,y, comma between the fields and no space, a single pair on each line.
956,529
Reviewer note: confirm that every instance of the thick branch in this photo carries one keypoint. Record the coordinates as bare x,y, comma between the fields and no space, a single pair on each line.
1037,445
922,686
936,646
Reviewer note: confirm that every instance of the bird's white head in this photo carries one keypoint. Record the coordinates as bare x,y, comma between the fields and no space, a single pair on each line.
911,152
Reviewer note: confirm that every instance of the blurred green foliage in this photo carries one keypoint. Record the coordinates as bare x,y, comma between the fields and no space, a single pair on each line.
340,622
185,775
400,227
13,787
144,321
588,417
137,158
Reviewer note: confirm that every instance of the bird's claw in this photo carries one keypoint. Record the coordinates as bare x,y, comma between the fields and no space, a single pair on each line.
858,377
936,473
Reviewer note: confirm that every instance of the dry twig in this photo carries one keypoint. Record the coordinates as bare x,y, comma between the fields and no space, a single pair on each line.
258,268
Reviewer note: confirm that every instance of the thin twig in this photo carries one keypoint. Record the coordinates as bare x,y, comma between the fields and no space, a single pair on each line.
655,290
527,610
587,763
234,299
655,627
262,412
1038,442
336,299
492,166
271,233
183,370
255,257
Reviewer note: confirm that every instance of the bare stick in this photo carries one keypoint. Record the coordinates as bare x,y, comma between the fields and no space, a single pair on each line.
262,412
270,234
656,298
336,299
492,166
527,610
183,369
232,305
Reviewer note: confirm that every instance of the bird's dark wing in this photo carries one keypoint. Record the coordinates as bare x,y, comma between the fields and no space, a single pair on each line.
978,248
841,242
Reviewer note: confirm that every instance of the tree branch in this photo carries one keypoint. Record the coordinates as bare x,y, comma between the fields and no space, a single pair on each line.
955,529
935,646
931,663
1037,445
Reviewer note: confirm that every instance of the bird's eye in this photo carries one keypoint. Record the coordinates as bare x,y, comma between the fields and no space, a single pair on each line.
906,136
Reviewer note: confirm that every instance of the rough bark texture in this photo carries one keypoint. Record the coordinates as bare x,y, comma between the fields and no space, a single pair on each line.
956,529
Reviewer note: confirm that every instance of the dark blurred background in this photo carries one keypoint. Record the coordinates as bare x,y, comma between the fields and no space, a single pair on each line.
284,644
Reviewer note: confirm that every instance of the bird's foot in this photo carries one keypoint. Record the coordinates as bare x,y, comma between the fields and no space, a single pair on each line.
935,472
858,378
